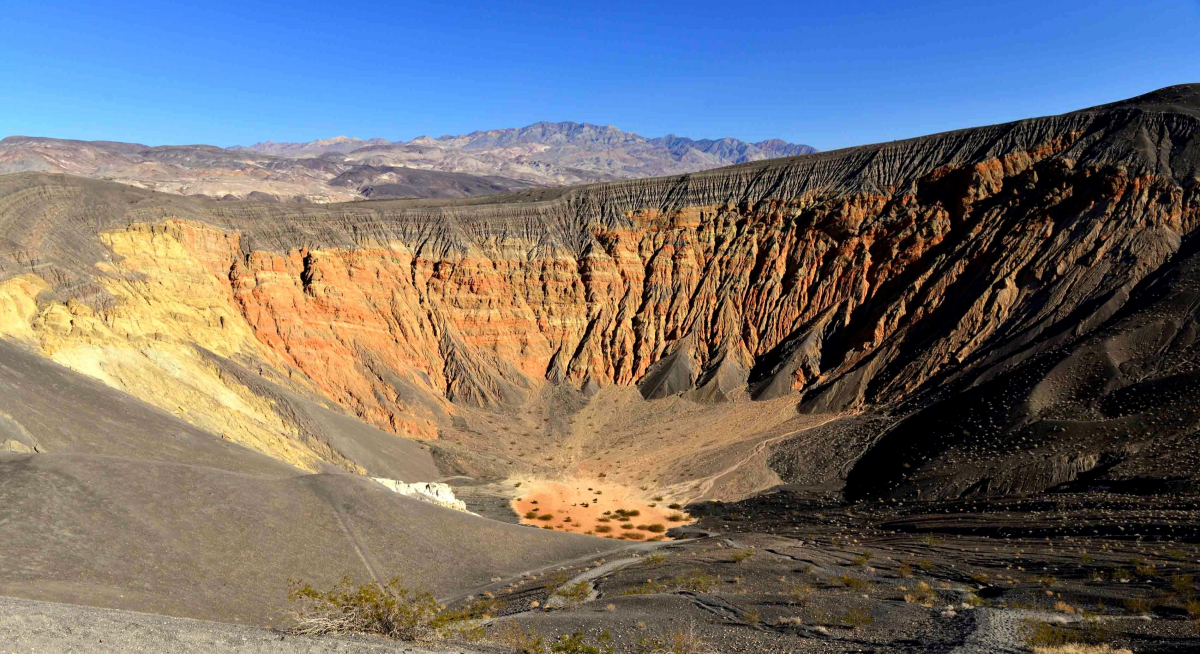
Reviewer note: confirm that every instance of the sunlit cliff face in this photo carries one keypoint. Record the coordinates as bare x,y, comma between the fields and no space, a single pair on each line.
844,280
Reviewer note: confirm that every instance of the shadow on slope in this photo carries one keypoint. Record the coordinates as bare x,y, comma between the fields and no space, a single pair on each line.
128,507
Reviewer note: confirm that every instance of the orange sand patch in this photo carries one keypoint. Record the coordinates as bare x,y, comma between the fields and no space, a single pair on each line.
581,506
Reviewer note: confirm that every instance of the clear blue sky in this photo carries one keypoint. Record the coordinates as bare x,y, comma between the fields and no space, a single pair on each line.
830,74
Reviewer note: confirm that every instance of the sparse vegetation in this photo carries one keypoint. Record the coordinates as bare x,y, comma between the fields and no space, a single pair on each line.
856,618
854,583
574,594
654,560
922,594
1137,605
1041,634
520,639
676,517
390,610
800,594
680,641
1184,585
577,643
743,555
1193,609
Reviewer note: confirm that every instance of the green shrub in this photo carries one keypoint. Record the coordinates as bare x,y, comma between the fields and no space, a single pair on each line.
574,594
1044,634
854,583
390,610
743,555
855,618
576,643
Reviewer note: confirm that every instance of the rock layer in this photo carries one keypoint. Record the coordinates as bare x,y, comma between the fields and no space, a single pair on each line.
852,279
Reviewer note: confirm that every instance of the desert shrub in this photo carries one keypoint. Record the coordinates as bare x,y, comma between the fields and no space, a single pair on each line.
1137,605
980,578
905,570
1193,609
521,640
390,610
577,643
861,559
626,526
530,515
1143,568
800,594
922,594
654,560
743,555
656,528
1091,631
676,517
675,506
696,581
632,535
680,641
603,529
1185,585
651,587
855,618
574,594
854,583
975,601
545,516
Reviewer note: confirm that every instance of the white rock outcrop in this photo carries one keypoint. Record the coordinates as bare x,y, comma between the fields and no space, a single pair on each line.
432,492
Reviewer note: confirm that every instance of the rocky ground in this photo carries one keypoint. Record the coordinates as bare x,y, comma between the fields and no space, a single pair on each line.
792,572
788,572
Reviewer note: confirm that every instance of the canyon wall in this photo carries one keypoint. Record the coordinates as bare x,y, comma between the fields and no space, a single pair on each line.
851,279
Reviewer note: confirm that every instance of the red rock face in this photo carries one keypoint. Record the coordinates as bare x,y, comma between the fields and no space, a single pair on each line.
848,279
902,288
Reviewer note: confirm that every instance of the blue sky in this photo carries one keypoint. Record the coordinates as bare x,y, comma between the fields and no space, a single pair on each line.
830,74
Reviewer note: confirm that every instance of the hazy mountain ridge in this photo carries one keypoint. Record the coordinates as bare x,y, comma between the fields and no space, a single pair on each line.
482,162
546,153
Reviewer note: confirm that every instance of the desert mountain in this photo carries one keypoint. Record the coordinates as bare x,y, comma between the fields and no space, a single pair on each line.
344,169
547,153
986,313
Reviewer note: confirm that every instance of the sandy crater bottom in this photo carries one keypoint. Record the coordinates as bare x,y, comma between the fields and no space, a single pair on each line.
591,507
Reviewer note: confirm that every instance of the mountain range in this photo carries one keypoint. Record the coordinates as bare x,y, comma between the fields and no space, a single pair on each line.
343,168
